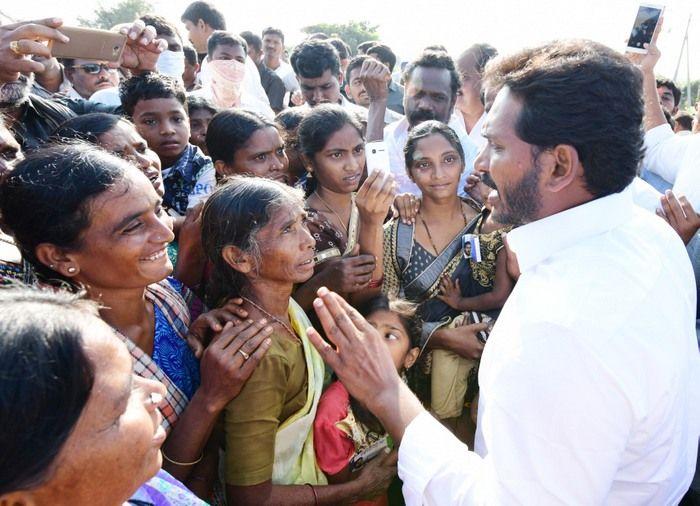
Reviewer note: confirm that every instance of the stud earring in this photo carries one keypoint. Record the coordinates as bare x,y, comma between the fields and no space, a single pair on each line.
71,270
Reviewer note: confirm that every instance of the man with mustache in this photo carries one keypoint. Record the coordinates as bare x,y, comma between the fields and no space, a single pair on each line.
431,86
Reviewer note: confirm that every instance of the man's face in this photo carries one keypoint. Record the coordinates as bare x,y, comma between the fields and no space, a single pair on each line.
355,90
666,99
273,46
88,76
228,52
198,35
510,163
254,54
321,90
428,95
468,98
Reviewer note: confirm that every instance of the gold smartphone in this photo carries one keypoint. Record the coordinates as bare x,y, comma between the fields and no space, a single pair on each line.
89,44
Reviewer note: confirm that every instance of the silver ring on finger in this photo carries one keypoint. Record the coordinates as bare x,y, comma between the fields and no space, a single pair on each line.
14,47
244,354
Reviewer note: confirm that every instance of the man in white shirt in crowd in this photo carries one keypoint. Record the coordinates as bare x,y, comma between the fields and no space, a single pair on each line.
317,66
273,49
355,88
589,382
431,85
470,103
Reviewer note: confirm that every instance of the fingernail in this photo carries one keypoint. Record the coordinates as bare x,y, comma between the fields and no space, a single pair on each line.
268,329
267,342
318,303
143,41
263,321
250,322
323,291
133,35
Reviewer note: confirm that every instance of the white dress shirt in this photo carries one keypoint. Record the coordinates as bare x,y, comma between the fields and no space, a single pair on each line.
395,137
289,78
590,378
475,134
676,158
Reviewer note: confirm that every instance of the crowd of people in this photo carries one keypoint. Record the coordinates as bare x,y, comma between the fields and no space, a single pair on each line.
207,298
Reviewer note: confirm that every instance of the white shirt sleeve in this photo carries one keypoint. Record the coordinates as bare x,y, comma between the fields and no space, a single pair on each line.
664,152
206,182
550,435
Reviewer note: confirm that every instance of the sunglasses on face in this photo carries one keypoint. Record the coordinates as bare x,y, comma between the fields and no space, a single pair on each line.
94,68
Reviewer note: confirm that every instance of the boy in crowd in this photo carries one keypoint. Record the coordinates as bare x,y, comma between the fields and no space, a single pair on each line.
201,111
158,107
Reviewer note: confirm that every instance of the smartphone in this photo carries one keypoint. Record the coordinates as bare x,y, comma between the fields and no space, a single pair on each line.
645,24
358,461
89,44
377,157
482,335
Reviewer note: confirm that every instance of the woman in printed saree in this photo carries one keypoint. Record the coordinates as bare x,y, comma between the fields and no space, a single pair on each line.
418,255
254,233
344,217
88,220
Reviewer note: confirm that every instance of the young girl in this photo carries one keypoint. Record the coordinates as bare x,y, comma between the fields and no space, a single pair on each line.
346,435
242,142
343,220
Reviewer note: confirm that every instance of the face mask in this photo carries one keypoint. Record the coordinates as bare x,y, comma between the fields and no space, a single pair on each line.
224,78
171,64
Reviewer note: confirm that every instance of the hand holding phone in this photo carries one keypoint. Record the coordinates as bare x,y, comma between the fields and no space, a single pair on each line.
89,44
377,157
645,25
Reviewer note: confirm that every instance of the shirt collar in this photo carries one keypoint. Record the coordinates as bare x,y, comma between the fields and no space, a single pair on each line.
535,242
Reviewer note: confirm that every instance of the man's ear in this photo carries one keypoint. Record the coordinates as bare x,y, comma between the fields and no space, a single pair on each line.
237,259
57,259
341,79
347,92
562,167
411,357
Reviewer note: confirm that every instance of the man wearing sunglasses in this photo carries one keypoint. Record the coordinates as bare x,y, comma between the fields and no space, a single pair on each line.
87,77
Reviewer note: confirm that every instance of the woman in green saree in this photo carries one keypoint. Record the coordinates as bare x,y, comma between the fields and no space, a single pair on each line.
254,233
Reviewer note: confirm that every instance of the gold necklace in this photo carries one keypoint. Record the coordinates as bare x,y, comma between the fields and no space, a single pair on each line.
342,223
286,327
427,230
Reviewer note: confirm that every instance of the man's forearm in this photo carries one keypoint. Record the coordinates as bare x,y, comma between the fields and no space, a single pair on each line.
375,120
653,114
396,407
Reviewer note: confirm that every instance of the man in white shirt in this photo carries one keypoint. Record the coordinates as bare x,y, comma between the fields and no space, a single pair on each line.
588,395
431,86
273,48
317,67
470,103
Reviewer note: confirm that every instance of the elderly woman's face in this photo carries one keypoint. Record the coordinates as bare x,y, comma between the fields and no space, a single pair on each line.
286,246
115,445
124,246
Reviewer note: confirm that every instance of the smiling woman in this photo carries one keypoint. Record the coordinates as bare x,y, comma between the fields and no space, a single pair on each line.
98,224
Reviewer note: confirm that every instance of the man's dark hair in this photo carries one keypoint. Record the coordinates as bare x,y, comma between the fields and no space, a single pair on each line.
362,47
483,53
318,36
343,49
435,47
191,55
206,12
270,30
147,87
435,60
685,120
384,54
162,25
252,40
668,83
221,38
356,62
586,95
312,58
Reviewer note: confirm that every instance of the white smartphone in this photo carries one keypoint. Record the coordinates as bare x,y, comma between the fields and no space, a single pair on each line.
377,157
648,16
